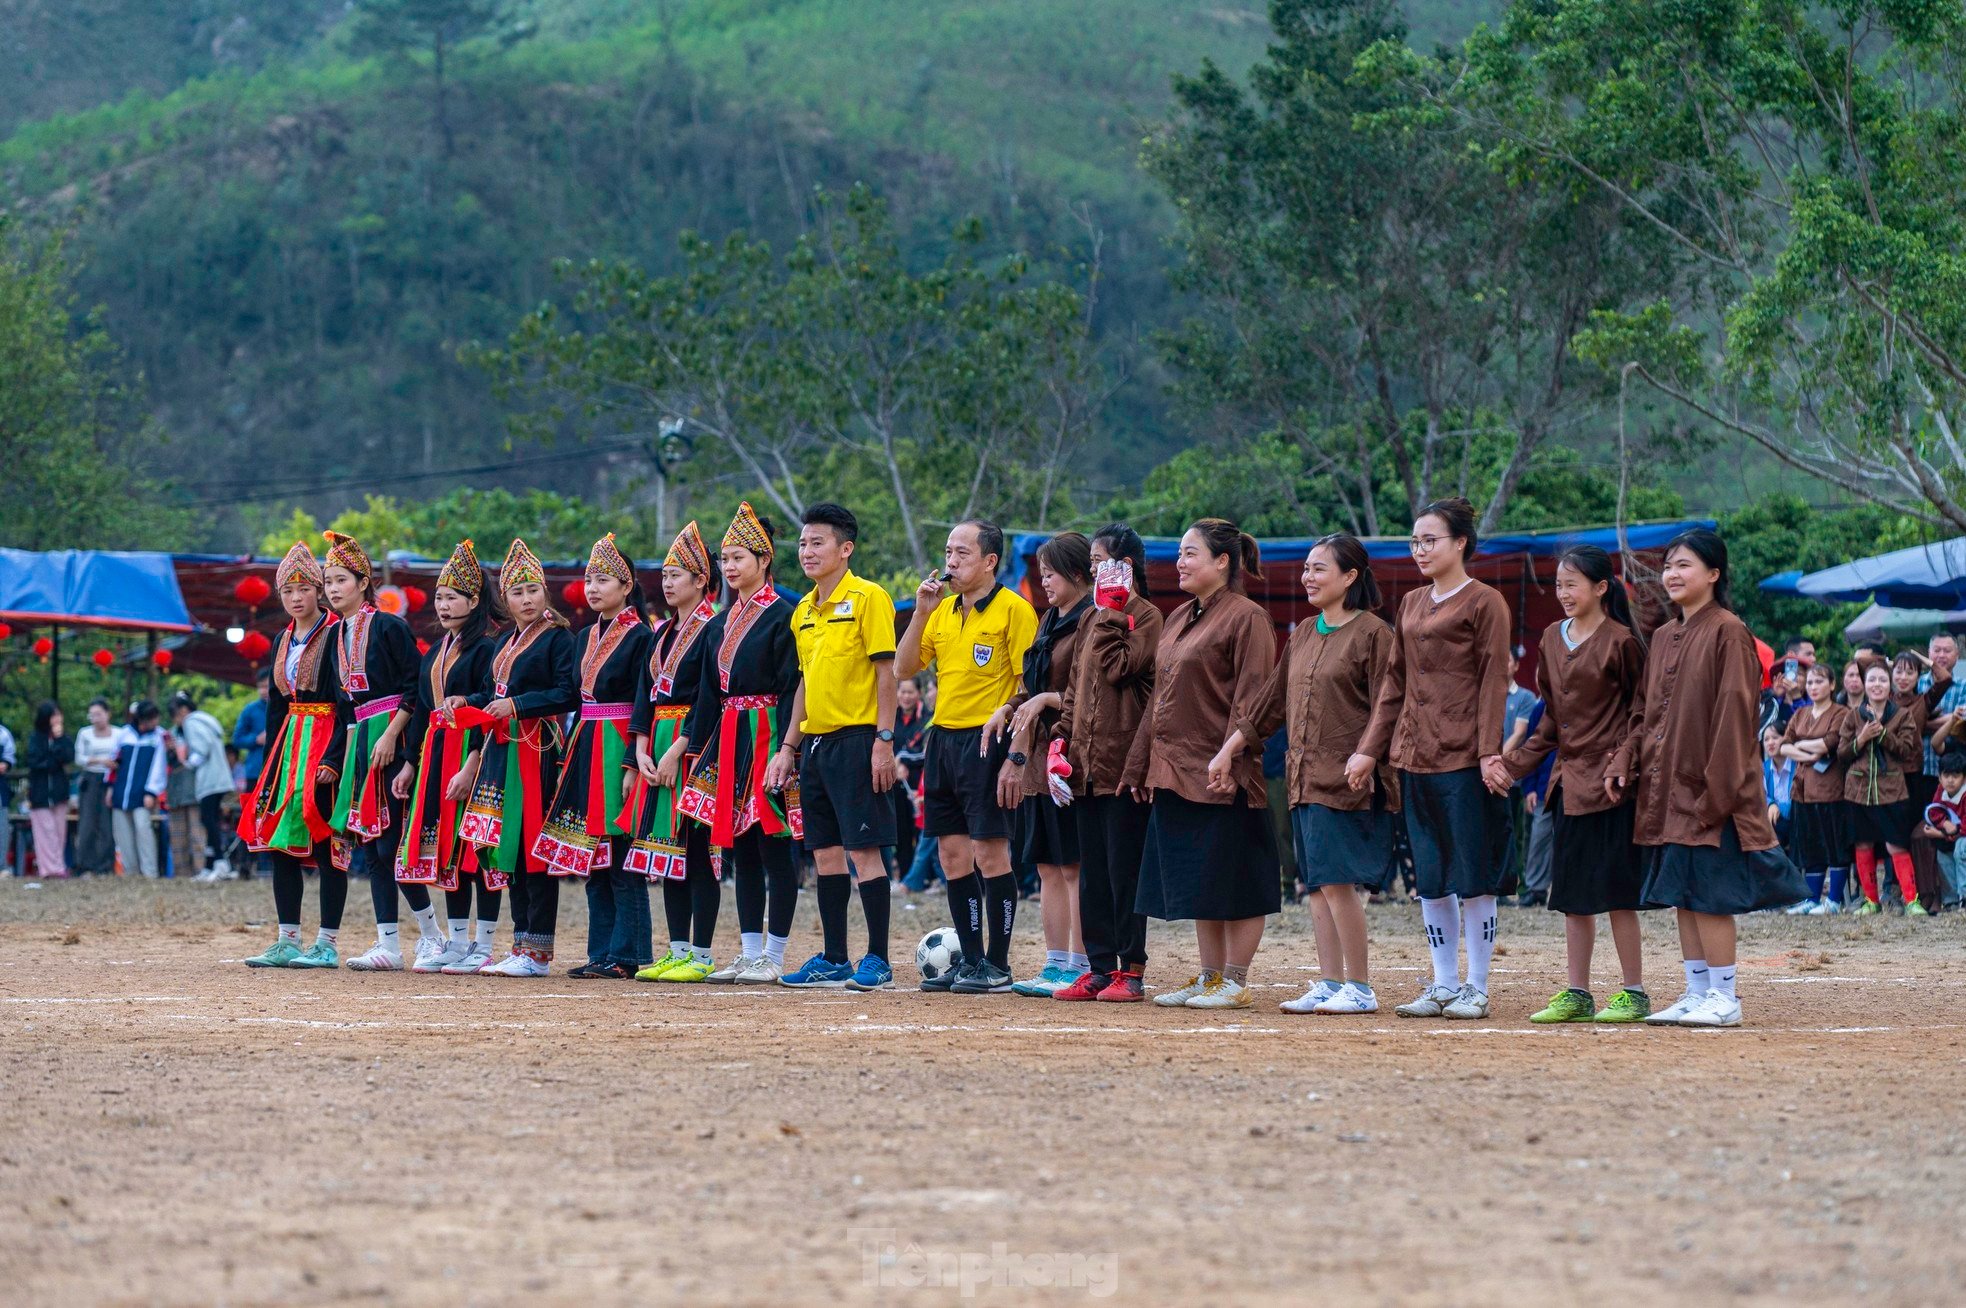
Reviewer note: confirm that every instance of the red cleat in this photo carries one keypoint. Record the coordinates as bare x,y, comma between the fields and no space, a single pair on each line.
1088,986
1125,988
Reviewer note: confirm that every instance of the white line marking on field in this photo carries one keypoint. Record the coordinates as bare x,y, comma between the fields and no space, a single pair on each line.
107,999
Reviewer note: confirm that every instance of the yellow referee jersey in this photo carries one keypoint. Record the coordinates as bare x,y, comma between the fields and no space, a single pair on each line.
840,641
978,655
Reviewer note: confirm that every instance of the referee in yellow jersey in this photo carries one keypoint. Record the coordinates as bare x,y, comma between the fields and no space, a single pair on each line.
975,638
841,744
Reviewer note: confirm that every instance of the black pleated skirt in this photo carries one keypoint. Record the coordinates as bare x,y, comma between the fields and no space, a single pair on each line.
1819,834
1342,847
1459,834
1723,881
1046,833
1594,866
1214,862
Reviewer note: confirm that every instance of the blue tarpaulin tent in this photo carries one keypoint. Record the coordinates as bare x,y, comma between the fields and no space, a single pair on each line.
92,588
1922,577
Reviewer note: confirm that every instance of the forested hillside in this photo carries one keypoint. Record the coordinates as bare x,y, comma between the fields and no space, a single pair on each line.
291,221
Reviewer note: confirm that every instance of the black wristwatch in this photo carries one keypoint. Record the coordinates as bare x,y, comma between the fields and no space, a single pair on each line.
885,737
1019,759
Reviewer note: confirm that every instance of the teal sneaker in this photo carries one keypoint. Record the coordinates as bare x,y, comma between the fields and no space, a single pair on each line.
319,954
1048,982
1568,1006
282,953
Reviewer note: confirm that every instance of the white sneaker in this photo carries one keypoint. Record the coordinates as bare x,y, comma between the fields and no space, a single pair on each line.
1470,1005
1685,1004
1223,994
517,965
222,871
1714,1009
473,960
205,878
1310,999
743,963
1351,998
1802,909
1433,1001
762,972
378,959
1825,907
432,955
1176,998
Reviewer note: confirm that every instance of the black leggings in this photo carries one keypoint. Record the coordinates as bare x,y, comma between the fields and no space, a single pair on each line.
765,874
457,903
208,818
381,856
290,884
691,905
535,904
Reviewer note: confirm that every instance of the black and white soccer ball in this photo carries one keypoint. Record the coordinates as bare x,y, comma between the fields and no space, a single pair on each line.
939,953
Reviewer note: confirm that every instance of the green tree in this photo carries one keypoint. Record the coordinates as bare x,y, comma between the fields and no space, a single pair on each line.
1784,532
69,429
434,26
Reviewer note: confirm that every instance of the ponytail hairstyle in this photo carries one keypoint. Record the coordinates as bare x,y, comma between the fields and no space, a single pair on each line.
1595,565
1069,554
1705,544
1348,552
1123,542
1459,515
1223,537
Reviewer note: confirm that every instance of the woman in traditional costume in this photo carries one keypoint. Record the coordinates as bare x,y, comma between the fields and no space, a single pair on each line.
533,681
286,816
442,766
665,848
736,725
583,835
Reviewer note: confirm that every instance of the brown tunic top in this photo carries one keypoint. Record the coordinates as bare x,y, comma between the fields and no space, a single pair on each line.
1692,756
1876,771
1064,655
1812,723
1323,689
1112,679
1209,671
1590,694
1446,686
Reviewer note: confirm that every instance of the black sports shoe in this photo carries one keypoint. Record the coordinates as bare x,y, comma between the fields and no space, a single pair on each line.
944,982
981,978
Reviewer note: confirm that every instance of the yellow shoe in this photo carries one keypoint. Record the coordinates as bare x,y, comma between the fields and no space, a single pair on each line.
654,971
690,969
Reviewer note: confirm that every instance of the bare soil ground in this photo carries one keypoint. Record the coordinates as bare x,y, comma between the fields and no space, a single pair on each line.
176,1128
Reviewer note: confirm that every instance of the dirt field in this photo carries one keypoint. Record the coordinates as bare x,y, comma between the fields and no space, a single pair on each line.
175,1128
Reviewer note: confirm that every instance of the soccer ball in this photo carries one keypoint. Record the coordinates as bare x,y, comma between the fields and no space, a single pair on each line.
939,953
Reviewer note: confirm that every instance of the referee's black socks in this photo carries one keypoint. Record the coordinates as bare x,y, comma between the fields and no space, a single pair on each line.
966,907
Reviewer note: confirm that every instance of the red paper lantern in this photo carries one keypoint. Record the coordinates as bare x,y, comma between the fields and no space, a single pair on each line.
43,648
252,591
422,646
416,597
390,599
102,658
253,646
163,659
6,632
575,594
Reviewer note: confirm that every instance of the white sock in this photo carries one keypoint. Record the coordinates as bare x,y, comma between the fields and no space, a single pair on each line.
1721,979
1698,977
426,921
775,948
1442,918
1078,962
751,944
1478,928
700,955
327,935
680,948
1056,957
460,929
485,931
387,936
290,932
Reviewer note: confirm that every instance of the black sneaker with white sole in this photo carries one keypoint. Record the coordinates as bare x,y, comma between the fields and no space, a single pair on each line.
981,978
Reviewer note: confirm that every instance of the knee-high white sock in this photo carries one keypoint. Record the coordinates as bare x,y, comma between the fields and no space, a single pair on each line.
1478,927
1442,918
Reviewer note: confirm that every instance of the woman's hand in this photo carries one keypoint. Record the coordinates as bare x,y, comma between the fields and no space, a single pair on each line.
1026,717
993,729
781,769
1495,776
400,787
1220,778
1614,787
1359,769
644,764
501,708
459,788
672,759
384,751
325,776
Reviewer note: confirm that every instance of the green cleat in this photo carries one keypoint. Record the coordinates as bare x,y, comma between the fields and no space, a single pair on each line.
1870,906
1916,908
319,954
1567,1006
282,953
1627,1005
654,971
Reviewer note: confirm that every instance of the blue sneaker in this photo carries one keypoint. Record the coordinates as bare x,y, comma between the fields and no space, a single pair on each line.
872,974
818,974
1048,982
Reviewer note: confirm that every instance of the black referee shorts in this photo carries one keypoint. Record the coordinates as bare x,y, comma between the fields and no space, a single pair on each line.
960,796
836,792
